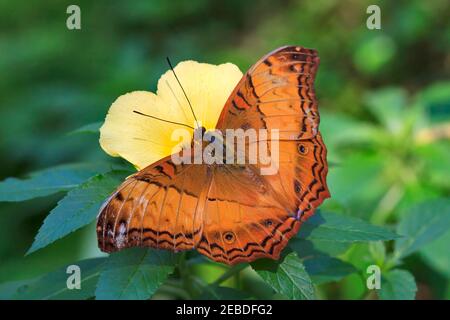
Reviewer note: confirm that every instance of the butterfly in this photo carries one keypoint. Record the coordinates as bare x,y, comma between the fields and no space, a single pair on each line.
232,213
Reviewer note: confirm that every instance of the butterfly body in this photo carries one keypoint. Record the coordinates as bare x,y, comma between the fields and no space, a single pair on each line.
231,212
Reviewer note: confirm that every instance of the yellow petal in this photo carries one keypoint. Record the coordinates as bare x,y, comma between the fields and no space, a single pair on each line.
136,138
207,87
143,140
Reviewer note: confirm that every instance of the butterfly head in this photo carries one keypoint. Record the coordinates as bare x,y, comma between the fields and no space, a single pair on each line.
204,137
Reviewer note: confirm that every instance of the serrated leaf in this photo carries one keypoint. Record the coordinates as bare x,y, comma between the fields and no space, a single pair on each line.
287,276
320,266
53,286
424,223
305,247
134,273
397,285
77,209
49,181
89,128
341,228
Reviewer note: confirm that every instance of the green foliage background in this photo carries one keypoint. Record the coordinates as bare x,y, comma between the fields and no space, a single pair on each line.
384,98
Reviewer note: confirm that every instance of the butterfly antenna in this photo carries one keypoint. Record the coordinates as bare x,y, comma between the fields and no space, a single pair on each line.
184,92
156,118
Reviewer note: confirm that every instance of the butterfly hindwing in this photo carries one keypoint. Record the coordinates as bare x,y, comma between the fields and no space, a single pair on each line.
243,219
249,216
302,173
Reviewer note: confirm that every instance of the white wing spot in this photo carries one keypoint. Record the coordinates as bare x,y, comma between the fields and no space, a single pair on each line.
120,239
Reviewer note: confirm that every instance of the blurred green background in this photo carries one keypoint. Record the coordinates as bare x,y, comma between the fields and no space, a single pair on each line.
384,98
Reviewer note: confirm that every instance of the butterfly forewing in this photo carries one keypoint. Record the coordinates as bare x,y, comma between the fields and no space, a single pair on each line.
276,93
161,206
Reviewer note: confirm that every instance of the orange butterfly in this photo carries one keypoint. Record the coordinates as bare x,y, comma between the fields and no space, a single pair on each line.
232,213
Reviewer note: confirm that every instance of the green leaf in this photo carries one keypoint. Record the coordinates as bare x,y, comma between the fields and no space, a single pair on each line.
305,247
437,254
89,128
341,228
287,276
49,181
424,223
398,285
323,269
77,209
134,273
53,286
9,289
320,266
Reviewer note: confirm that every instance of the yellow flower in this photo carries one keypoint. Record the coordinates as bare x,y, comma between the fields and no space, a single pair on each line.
143,140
